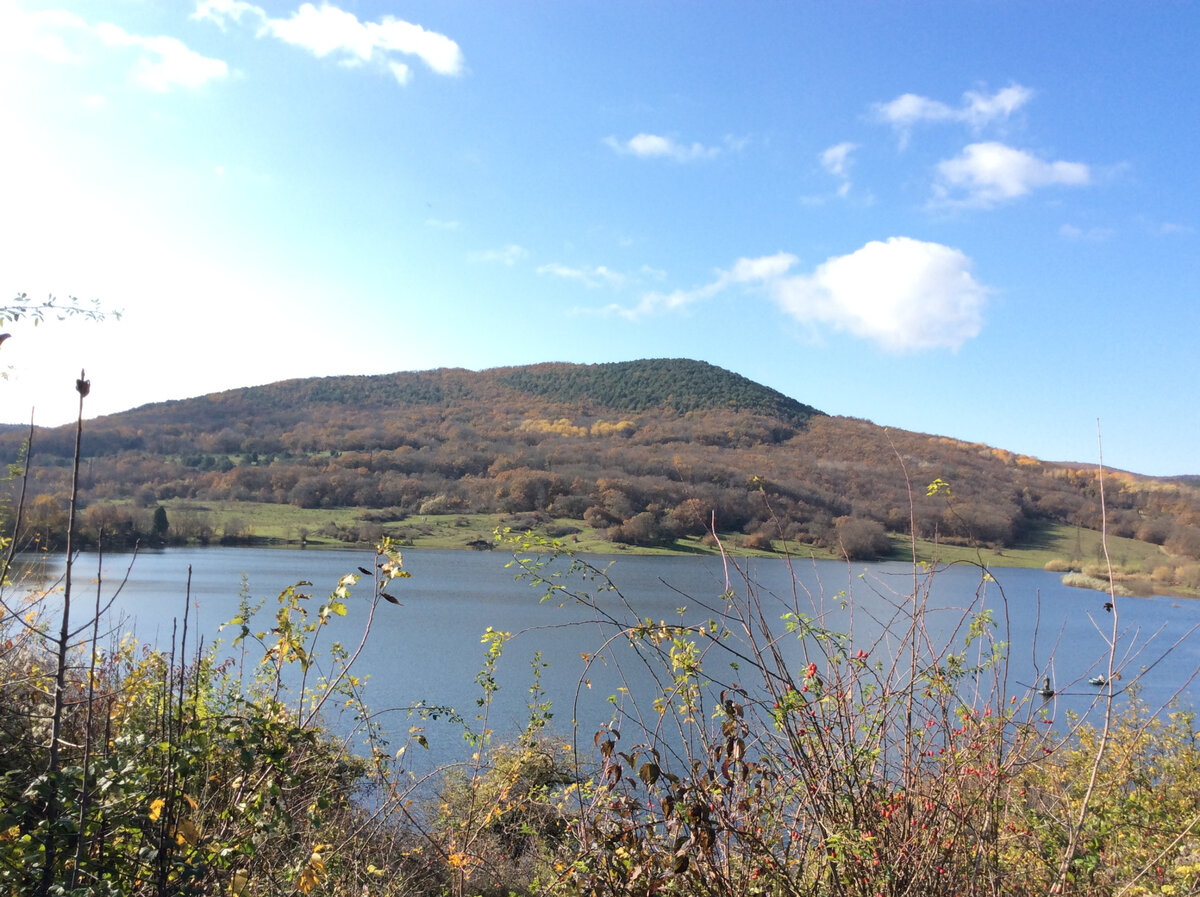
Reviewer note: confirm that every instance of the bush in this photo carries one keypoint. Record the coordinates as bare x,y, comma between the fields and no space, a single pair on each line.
859,539
811,766
184,778
759,541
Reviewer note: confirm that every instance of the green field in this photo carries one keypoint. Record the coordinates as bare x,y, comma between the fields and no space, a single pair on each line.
287,524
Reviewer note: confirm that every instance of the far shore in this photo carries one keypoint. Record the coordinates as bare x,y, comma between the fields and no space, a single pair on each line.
1065,549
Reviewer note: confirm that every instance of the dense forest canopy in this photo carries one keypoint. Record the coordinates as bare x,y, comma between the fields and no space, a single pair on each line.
646,451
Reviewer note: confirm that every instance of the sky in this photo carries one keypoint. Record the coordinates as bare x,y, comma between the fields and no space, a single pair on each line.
979,220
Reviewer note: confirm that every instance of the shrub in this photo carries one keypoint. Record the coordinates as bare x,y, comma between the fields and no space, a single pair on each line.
859,539
758,541
182,777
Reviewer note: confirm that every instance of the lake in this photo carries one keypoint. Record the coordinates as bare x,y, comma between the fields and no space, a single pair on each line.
429,648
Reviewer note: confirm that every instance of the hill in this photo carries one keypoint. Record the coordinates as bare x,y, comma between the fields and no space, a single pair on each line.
644,451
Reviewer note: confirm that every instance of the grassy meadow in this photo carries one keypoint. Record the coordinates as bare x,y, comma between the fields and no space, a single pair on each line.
1049,544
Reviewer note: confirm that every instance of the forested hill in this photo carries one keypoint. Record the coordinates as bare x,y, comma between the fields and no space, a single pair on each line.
644,452
661,384
635,386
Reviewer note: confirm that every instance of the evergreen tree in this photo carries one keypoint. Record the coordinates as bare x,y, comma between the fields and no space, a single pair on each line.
160,523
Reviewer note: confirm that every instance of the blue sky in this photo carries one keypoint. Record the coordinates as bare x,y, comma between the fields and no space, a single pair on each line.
980,220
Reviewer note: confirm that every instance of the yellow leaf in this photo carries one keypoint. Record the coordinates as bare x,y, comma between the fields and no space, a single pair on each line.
186,832
156,808
311,874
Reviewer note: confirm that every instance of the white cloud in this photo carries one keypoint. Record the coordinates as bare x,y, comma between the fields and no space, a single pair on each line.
745,271
401,72
836,160
651,146
162,62
981,109
1094,234
909,108
437,51
589,276
985,174
322,31
977,109
509,255
222,11
767,267
327,30
902,294
166,62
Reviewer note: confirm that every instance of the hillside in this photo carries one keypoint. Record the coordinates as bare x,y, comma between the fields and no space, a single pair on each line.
644,451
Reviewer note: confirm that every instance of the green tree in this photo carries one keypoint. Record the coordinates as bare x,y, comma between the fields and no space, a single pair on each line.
160,524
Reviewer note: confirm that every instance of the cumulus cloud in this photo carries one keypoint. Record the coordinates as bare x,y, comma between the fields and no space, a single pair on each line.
985,174
976,110
652,146
328,30
162,63
901,293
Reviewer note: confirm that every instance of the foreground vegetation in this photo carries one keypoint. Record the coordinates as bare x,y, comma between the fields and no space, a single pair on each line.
774,757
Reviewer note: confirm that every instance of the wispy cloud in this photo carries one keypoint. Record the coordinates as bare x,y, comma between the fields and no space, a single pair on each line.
160,63
985,174
653,146
836,160
976,110
508,255
224,11
589,276
744,271
327,30
902,294
1088,234
1171,227
164,62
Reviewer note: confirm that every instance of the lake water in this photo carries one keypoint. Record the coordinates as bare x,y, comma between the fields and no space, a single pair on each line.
429,648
